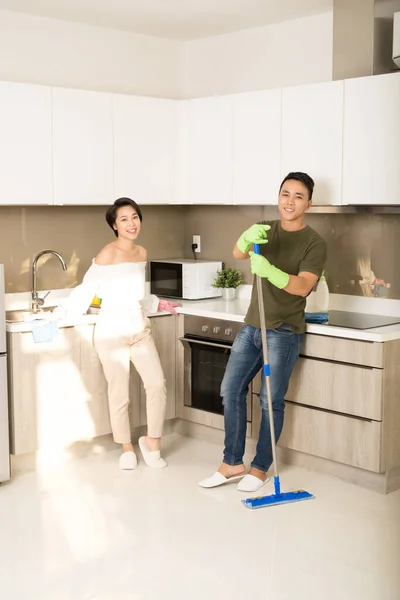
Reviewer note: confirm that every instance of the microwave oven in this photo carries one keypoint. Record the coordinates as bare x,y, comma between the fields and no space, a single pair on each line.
184,279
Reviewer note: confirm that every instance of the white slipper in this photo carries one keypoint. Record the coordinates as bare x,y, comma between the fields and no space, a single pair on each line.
151,458
218,479
128,461
250,483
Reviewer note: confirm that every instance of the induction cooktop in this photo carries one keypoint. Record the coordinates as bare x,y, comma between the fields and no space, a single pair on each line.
352,320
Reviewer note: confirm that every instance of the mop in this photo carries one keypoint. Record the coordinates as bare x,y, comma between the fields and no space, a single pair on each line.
279,497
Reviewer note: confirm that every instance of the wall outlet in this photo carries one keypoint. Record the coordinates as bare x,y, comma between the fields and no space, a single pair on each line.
196,240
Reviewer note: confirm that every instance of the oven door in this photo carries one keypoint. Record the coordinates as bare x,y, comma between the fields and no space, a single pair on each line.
204,368
166,279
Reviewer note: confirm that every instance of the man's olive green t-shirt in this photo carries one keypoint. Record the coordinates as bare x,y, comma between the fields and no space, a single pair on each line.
292,252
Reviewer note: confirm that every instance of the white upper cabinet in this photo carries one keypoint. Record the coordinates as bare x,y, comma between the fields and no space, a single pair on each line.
312,122
371,140
257,147
144,145
181,154
210,150
83,147
25,144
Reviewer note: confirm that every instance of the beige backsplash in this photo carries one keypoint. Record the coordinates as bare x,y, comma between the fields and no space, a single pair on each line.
357,244
77,233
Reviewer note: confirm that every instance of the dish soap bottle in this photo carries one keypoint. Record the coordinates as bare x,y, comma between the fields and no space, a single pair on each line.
318,300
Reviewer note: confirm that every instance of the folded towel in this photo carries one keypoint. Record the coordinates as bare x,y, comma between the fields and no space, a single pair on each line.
168,306
319,317
44,331
153,304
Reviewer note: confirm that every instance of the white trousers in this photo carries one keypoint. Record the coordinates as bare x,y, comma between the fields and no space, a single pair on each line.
119,339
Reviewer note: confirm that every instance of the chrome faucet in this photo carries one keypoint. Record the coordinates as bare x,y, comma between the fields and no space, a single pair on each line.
36,301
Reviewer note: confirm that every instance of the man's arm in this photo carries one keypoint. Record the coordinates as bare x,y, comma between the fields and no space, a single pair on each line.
239,254
297,285
301,284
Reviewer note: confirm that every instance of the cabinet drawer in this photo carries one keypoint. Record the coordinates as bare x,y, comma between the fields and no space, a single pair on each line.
356,352
341,388
346,440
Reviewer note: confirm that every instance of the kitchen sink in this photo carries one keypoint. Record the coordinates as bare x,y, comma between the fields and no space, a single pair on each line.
19,316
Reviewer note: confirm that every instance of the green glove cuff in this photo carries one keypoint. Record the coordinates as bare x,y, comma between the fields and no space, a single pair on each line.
278,278
261,266
243,244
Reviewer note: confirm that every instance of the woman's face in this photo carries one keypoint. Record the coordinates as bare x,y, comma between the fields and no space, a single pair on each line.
127,223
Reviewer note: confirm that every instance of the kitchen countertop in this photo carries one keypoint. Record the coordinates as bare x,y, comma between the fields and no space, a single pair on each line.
236,311
76,321
21,300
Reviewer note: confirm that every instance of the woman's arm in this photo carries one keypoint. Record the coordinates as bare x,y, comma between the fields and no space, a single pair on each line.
80,298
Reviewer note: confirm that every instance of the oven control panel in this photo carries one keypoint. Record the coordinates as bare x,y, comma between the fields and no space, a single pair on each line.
215,329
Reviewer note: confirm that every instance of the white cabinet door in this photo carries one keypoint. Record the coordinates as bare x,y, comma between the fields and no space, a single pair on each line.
371,140
83,147
312,124
257,147
144,145
25,144
181,155
50,406
210,150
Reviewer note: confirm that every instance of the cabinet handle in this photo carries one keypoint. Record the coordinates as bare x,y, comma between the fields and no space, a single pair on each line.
202,343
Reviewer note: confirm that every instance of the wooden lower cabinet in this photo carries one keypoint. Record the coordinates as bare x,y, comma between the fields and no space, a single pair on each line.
342,403
347,440
58,393
344,388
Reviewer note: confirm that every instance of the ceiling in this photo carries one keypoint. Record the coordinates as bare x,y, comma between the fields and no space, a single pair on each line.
179,19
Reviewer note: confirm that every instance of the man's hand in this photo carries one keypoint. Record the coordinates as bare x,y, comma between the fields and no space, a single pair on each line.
256,234
262,267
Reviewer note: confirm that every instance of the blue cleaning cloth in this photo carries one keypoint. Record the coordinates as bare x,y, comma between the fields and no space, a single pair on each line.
320,317
44,331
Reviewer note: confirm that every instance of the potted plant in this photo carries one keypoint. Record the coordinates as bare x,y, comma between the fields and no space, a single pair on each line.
228,280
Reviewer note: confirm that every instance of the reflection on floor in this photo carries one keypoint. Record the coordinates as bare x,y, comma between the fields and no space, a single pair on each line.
87,531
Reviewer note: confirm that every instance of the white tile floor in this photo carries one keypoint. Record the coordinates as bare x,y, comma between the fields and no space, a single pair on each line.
87,531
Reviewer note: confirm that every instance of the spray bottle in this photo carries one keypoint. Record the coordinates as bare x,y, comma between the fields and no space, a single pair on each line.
318,299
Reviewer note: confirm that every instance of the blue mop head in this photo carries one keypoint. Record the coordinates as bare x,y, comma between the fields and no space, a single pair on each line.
273,499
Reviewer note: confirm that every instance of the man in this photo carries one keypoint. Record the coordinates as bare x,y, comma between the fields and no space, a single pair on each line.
291,262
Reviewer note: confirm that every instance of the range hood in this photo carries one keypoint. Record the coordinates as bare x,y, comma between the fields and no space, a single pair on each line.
363,37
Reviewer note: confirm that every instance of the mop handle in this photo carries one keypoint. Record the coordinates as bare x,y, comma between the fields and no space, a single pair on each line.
266,369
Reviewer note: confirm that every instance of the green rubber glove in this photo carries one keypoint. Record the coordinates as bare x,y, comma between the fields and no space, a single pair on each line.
262,267
256,234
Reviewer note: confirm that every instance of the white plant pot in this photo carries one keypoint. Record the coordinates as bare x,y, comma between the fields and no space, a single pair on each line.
228,293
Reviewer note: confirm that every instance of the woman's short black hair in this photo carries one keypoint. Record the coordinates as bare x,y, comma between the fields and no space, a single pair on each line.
111,214
304,178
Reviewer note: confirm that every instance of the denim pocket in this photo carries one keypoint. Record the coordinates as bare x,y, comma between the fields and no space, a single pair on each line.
244,341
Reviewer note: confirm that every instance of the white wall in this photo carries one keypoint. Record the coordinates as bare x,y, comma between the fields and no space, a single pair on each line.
53,52
59,53
289,53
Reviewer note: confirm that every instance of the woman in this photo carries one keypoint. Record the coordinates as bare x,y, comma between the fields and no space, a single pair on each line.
122,333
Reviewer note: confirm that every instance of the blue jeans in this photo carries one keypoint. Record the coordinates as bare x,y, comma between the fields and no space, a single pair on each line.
245,361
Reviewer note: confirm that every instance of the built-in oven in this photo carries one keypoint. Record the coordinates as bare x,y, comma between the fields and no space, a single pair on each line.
207,345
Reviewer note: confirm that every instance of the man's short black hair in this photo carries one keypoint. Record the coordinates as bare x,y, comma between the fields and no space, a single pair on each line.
304,178
111,214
